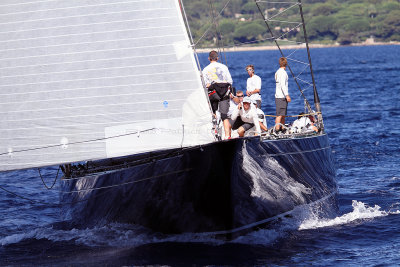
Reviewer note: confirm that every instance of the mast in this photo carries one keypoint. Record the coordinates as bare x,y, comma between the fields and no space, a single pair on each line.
316,97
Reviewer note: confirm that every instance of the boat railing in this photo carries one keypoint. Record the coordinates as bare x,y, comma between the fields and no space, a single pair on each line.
289,133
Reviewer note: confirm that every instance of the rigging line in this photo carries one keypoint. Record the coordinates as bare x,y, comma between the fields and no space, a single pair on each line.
131,182
284,21
281,52
290,41
54,182
283,11
74,143
297,49
304,81
316,97
310,85
299,152
135,163
206,31
293,116
195,54
305,67
253,42
286,33
298,61
220,41
186,21
270,2
216,33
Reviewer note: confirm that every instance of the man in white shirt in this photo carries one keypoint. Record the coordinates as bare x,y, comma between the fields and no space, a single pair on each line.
248,115
235,100
253,86
303,123
282,97
261,118
218,80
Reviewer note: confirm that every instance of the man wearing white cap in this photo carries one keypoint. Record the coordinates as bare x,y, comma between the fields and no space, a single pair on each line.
248,115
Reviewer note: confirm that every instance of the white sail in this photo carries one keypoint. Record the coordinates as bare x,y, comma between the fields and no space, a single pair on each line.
83,80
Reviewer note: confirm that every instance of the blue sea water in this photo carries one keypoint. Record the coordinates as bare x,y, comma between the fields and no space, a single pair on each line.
359,88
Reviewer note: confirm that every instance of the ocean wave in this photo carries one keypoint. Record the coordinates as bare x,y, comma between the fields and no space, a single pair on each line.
113,235
361,211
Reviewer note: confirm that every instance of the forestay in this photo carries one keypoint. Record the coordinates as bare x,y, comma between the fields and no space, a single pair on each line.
85,80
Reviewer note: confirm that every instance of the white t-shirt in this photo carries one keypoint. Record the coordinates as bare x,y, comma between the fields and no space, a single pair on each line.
303,123
216,72
232,107
281,79
249,116
254,82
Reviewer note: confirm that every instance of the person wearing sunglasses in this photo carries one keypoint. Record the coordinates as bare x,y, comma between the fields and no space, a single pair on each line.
235,100
247,115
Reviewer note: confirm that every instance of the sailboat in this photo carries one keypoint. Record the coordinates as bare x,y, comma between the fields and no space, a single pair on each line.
112,93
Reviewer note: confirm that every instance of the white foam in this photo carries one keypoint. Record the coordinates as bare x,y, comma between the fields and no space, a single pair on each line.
361,211
113,235
279,183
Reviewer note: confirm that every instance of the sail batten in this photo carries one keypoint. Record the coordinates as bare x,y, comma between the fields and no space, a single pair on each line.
95,80
70,91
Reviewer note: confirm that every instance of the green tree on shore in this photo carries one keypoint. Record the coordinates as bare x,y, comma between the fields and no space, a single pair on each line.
329,21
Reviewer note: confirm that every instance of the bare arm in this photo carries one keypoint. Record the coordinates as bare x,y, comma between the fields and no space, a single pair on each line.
235,112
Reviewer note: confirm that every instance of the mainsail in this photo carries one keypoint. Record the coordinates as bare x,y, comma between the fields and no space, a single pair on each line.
84,80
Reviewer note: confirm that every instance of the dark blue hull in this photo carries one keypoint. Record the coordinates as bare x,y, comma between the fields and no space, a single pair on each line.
224,187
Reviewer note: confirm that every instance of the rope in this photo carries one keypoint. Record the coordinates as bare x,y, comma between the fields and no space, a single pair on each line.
294,116
54,182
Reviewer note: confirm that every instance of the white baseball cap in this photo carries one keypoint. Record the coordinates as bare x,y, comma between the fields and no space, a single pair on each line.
247,99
